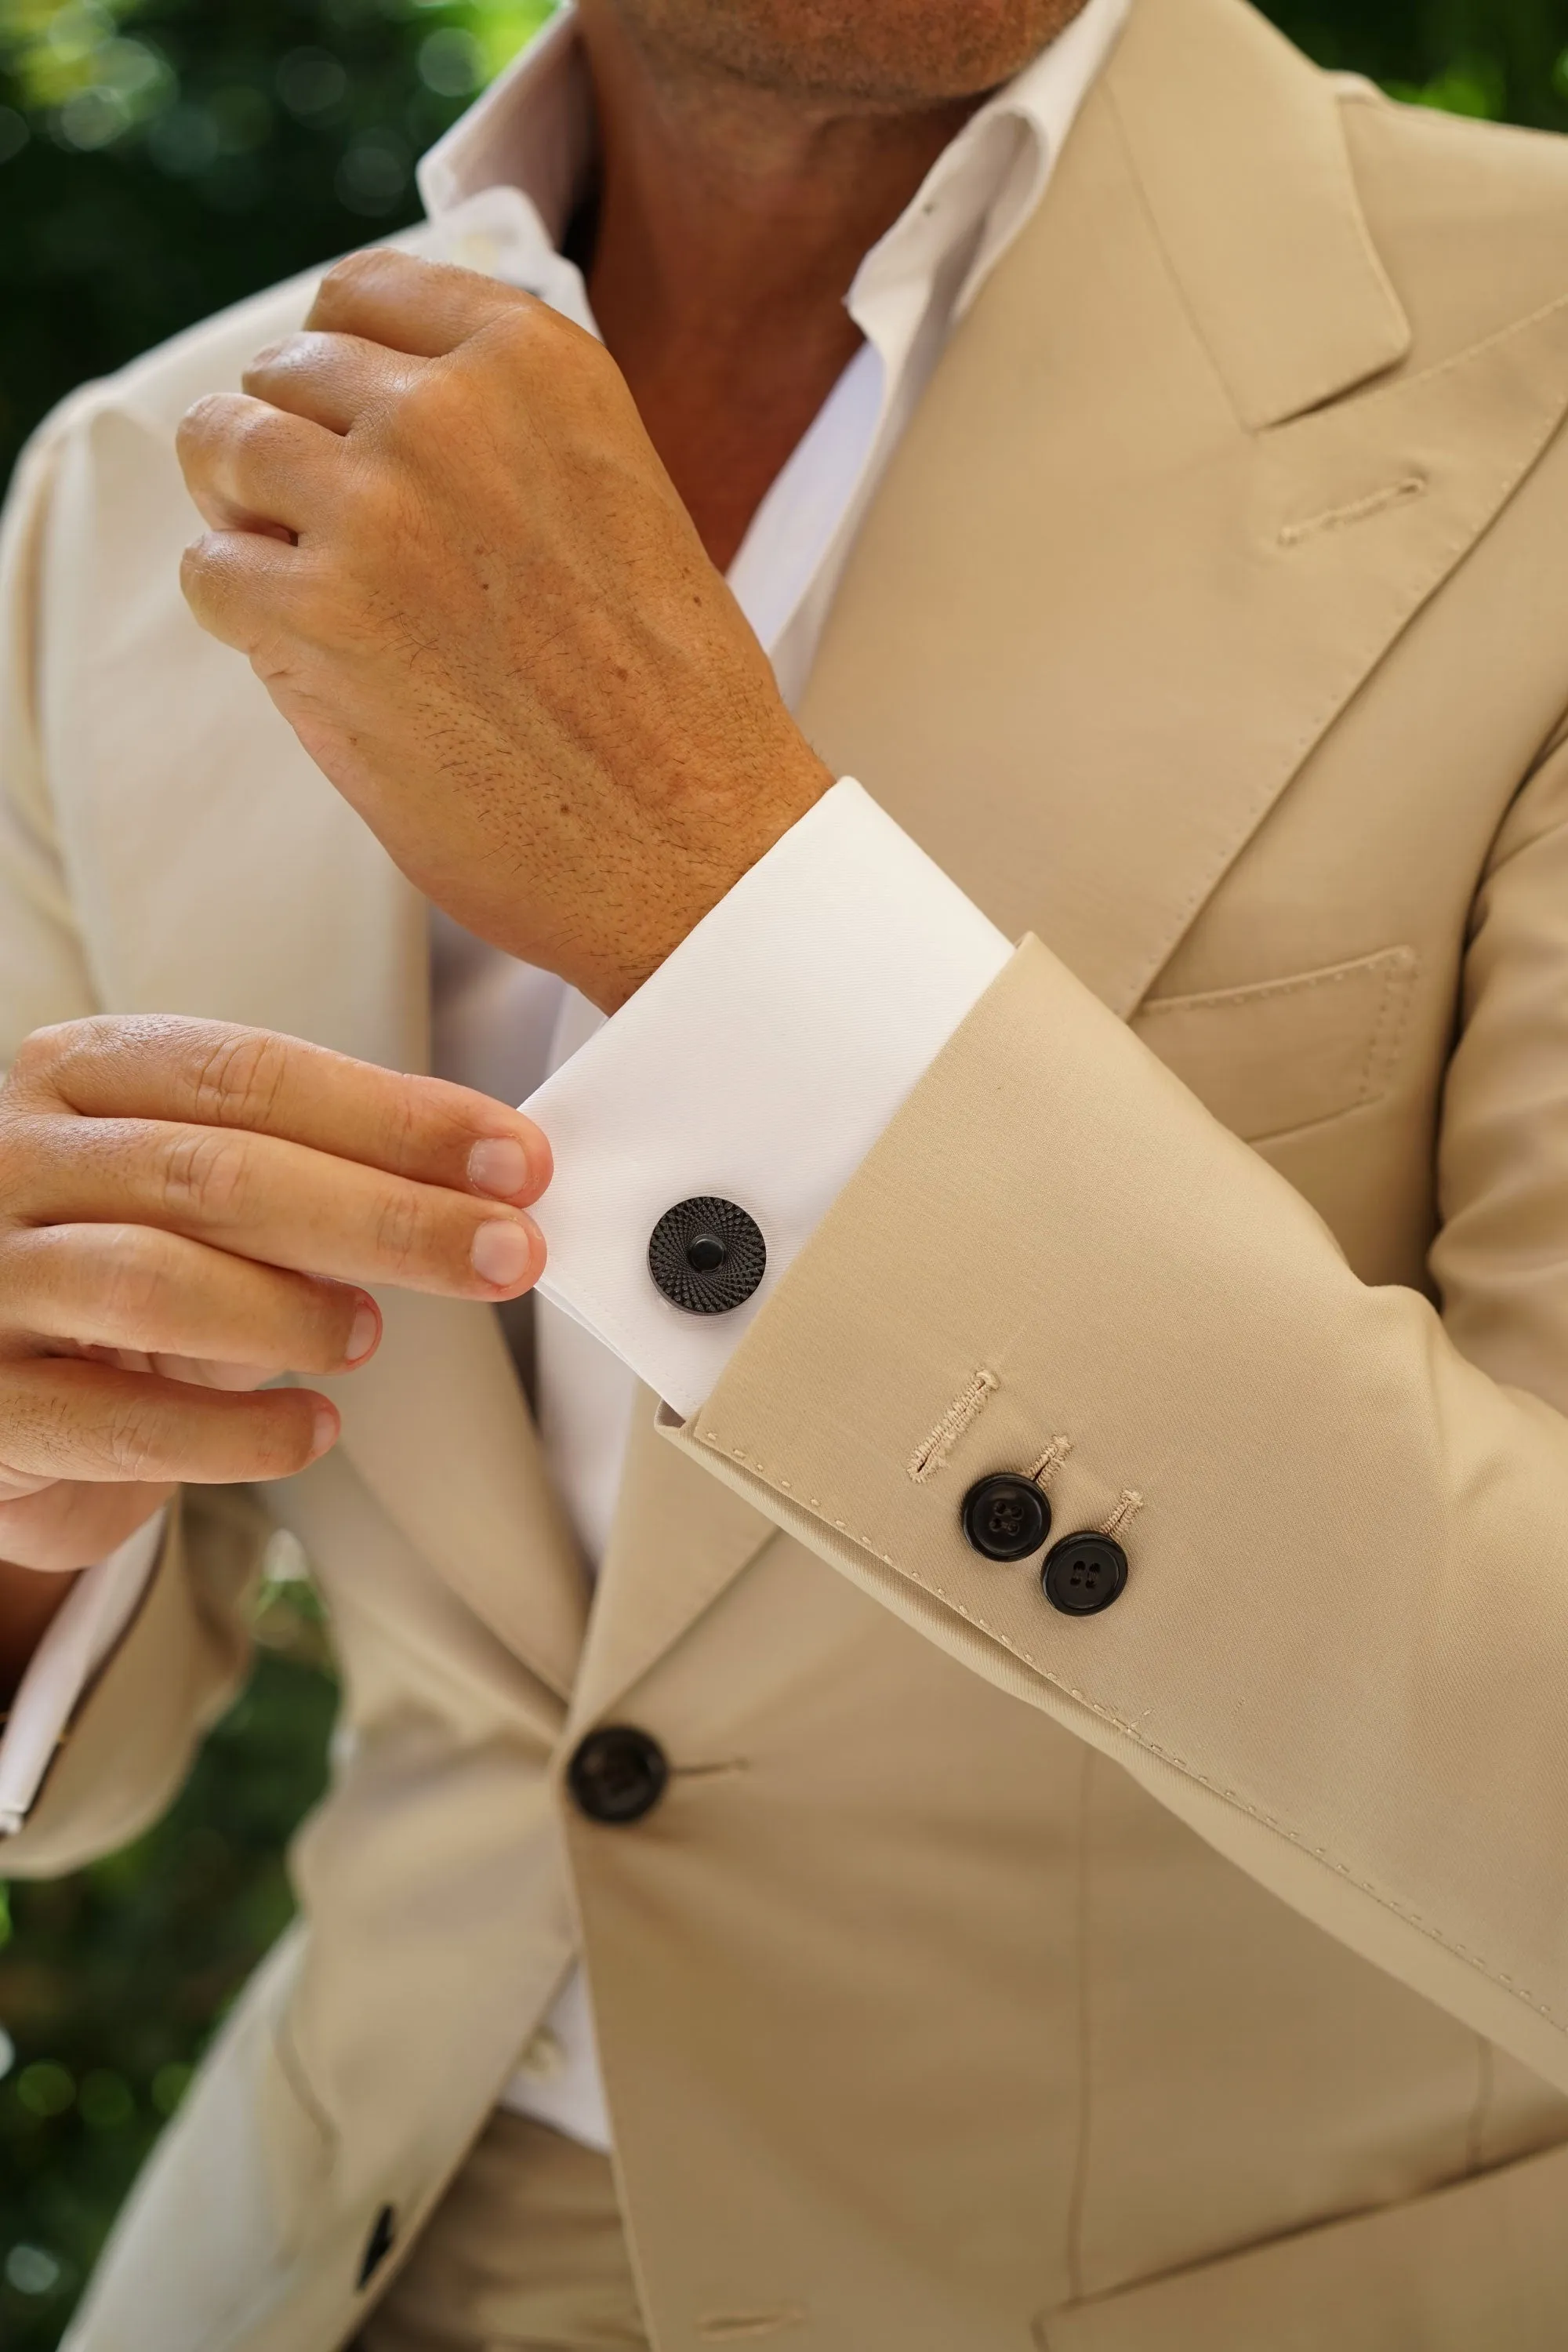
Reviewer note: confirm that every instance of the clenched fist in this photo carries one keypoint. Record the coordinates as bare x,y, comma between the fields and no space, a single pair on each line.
188,1209
445,542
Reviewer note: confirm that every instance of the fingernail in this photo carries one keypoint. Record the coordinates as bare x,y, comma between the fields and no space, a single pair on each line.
502,1254
363,1333
324,1431
498,1166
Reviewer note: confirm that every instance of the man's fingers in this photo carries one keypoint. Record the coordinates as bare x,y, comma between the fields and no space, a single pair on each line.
333,380
280,1203
66,1419
424,308
130,1286
251,467
215,1074
241,585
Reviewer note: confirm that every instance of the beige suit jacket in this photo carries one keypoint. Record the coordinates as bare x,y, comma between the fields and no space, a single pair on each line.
1191,1976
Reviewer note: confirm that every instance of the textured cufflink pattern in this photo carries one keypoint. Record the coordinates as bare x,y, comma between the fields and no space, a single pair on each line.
707,1256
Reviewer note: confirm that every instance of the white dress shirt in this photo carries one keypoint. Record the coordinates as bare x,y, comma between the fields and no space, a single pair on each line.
844,912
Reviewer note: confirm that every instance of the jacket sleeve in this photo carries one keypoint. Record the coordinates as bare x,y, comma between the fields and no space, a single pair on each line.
184,1652
1341,1653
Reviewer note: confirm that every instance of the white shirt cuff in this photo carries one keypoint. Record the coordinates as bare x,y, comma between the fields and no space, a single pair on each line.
758,1063
100,1604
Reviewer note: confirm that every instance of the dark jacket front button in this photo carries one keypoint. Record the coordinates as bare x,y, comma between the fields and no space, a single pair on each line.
1007,1516
1084,1574
617,1774
707,1256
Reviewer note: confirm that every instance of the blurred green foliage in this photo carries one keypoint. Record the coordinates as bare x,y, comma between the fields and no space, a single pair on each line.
159,159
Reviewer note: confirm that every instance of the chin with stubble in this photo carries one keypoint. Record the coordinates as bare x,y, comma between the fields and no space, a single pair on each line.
871,54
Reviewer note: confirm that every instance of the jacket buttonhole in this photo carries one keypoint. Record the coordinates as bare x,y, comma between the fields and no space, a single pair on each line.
382,2238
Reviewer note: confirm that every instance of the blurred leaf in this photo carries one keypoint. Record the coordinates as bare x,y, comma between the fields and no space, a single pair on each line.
160,159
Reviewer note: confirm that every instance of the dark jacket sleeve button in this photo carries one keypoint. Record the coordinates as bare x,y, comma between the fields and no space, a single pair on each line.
1084,1574
617,1774
707,1256
1007,1516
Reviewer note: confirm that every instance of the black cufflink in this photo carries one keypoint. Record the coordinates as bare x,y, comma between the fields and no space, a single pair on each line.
1005,1516
707,1256
379,2244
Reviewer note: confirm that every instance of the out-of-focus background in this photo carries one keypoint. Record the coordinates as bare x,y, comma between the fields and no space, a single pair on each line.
159,159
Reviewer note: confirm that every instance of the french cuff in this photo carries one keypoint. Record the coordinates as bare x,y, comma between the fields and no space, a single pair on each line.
82,1634
704,1131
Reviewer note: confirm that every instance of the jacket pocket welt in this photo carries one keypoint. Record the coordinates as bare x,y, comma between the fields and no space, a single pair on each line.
1482,2264
1284,1053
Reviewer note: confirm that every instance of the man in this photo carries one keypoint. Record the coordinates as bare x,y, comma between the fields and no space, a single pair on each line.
1058,1794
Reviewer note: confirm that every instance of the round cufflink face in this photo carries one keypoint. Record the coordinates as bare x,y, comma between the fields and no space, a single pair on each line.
1007,1516
1084,1574
707,1257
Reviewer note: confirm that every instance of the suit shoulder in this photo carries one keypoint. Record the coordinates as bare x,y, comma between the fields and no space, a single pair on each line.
156,388
1470,218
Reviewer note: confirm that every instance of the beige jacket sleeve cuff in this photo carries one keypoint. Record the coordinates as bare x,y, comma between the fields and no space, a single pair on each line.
1340,1652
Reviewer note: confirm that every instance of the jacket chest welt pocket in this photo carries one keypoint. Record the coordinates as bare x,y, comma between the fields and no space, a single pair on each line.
1282,1054
1481,2266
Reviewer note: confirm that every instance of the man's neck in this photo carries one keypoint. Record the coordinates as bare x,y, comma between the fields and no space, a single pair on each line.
731,222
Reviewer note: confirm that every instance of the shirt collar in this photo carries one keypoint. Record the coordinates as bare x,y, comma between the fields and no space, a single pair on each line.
533,130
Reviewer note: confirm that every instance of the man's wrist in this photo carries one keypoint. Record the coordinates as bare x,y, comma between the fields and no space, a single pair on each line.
690,873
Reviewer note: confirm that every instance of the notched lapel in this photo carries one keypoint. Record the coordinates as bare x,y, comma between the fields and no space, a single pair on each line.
1203,594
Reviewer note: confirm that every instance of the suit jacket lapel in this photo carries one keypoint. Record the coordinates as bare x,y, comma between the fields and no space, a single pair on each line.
1139,440
679,1540
437,1427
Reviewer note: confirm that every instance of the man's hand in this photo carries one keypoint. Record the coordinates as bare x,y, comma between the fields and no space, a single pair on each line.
187,1209
447,544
